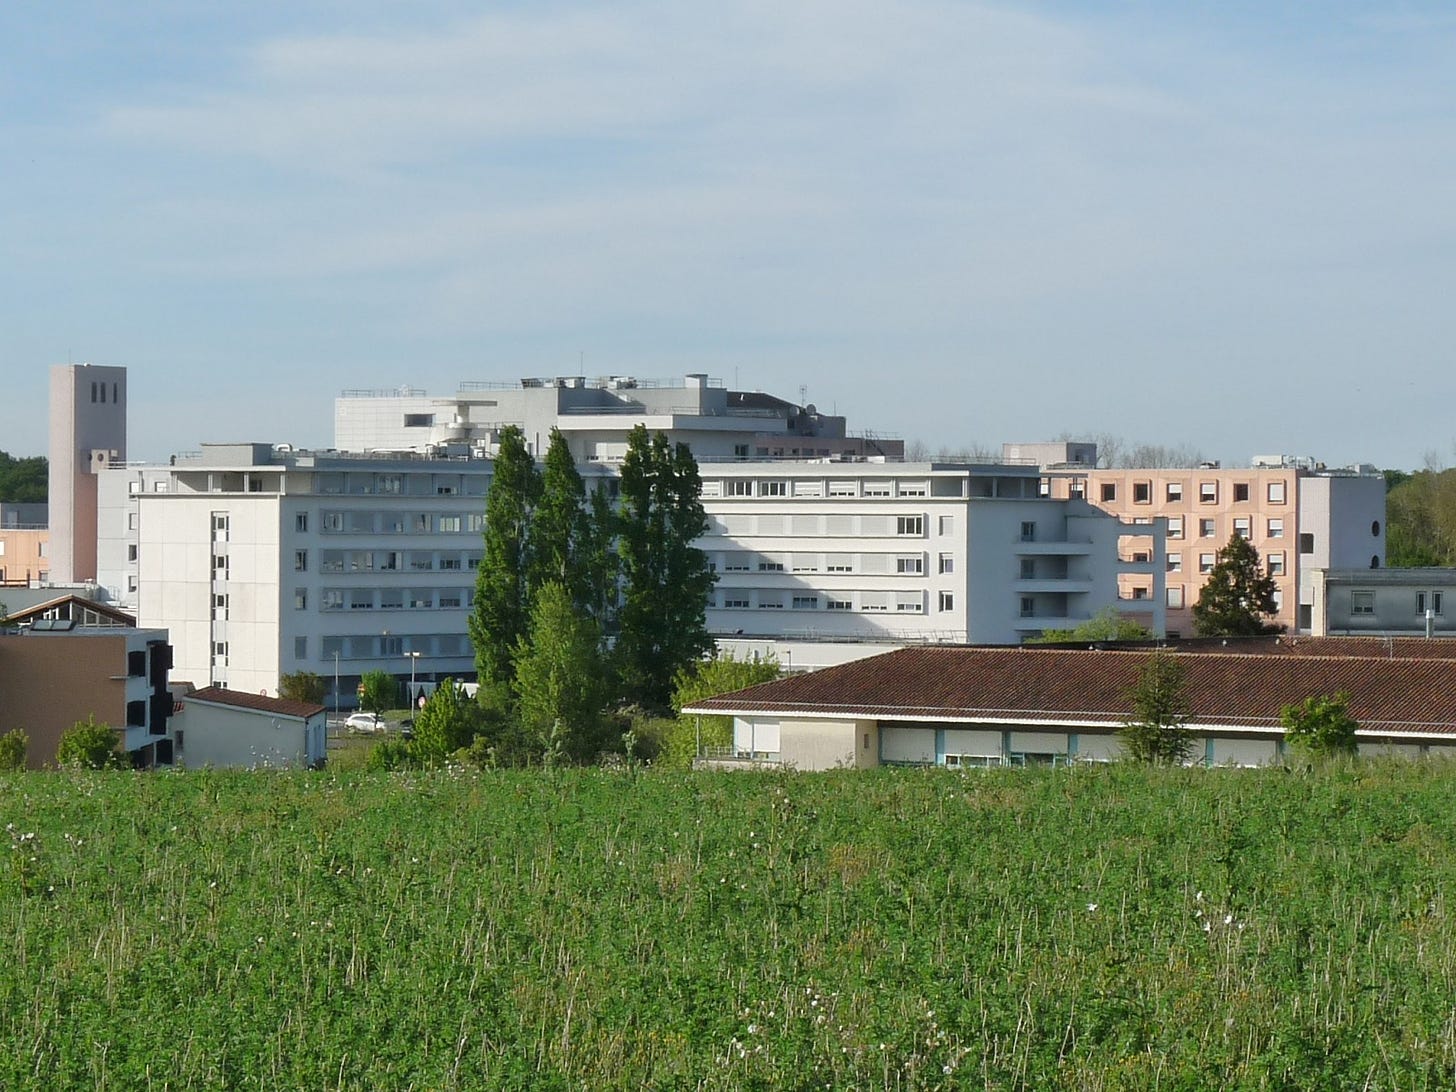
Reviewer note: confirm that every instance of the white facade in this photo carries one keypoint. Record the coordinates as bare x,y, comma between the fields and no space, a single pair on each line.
225,735
1384,602
907,552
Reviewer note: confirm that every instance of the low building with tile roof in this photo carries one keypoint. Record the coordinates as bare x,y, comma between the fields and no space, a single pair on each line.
219,727
973,706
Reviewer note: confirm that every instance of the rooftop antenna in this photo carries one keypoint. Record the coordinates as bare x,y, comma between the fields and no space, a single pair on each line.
803,394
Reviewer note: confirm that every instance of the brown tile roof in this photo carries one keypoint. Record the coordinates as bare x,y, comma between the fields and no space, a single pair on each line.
240,699
1091,687
1417,648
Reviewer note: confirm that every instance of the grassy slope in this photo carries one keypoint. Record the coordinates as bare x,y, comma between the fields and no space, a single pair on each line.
902,929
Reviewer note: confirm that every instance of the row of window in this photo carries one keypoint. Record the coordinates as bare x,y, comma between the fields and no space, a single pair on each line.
904,564
1142,492
1273,561
1363,602
864,602
385,561
1243,526
827,525
377,646
390,484
364,521
815,487
331,599
1176,598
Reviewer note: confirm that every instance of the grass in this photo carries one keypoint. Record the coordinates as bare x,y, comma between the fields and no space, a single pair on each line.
1098,928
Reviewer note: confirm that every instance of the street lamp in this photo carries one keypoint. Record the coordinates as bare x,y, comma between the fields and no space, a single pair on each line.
414,658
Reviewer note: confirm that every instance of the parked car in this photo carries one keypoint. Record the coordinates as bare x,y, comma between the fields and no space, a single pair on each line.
367,723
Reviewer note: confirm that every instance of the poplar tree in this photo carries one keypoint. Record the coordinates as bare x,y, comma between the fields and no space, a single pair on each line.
559,531
559,686
502,585
665,578
1238,595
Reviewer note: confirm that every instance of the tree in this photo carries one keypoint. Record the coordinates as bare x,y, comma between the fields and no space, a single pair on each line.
600,563
446,723
666,579
1237,596
13,745
719,674
502,599
88,745
558,534
379,691
1155,734
1108,624
302,686
1320,727
23,481
558,685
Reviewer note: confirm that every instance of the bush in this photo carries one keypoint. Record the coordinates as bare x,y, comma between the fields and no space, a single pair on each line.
392,754
13,746
1320,727
89,746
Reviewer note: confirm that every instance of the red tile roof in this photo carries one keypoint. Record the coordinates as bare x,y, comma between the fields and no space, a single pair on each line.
1059,686
240,699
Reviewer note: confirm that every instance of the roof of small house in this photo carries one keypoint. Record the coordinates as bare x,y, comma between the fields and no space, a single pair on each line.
1388,695
260,703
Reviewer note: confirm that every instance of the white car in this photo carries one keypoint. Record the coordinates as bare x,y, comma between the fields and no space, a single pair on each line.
364,722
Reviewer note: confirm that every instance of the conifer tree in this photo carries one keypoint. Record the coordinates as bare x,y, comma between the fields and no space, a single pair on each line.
1238,596
502,587
1155,733
666,579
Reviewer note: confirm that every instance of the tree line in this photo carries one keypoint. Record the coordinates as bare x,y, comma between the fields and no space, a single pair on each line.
23,481
1420,517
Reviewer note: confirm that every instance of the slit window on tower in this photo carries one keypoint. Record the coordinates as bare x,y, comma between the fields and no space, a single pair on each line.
93,392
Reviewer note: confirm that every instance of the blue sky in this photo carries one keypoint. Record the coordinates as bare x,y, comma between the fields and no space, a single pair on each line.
1229,226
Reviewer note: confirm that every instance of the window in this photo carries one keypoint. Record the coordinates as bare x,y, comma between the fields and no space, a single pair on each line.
806,602
451,563
1175,492
1241,491
300,522
449,598
1175,563
1276,563
1142,592
1174,597
1028,530
947,525
1142,492
333,599
1436,602
947,600
136,714
1028,606
1362,602
909,604
838,604
1241,526
773,489
876,489
449,524
300,561
838,563
910,525
1028,568
300,599
947,563
1306,542
1375,528
1207,528
131,521
770,566
740,451
738,487
219,605
843,489
1276,492
300,648
770,601
219,649
735,563
1141,557
913,489
1175,526
1276,528
1109,491
1433,601
735,601
131,552
1208,492
910,564
1205,563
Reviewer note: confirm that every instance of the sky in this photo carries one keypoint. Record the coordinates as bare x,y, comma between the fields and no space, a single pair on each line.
1226,226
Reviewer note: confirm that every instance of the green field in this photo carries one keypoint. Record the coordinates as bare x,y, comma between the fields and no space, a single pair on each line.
1088,928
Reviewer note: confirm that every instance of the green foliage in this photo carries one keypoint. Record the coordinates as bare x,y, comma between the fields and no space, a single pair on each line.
666,579
705,679
380,691
1092,928
13,745
23,481
1108,624
558,531
1420,518
447,723
393,754
1237,596
1320,727
502,584
1155,734
559,689
302,686
90,746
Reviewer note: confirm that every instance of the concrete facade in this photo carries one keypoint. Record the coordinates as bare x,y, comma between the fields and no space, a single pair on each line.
87,434
1299,516
1383,602
50,680
214,729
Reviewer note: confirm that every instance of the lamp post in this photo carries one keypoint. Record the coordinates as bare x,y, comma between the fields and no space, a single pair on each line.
414,658
336,684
